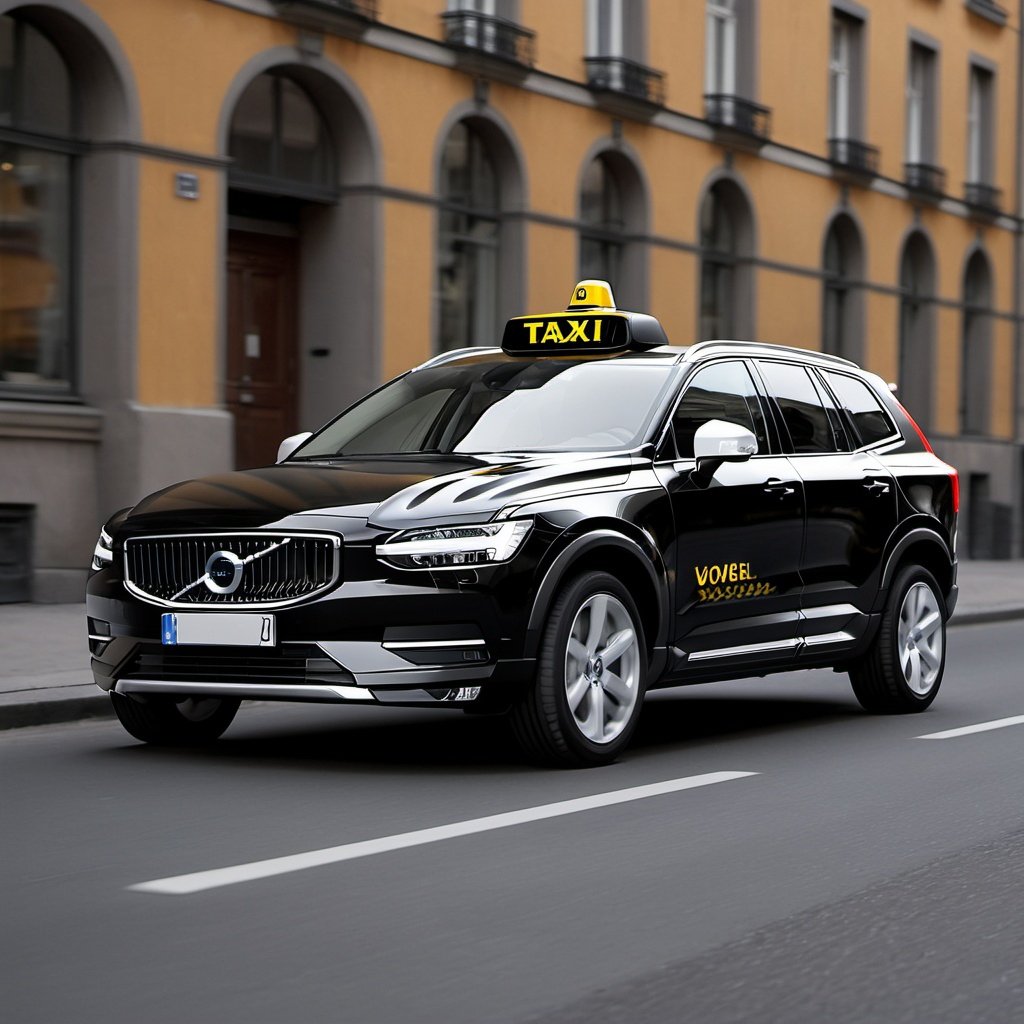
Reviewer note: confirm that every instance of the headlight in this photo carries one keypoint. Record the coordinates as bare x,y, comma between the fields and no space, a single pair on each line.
103,553
452,547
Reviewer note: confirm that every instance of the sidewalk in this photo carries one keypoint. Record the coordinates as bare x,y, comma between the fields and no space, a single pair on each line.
44,659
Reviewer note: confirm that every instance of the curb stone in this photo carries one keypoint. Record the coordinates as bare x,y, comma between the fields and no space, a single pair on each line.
74,709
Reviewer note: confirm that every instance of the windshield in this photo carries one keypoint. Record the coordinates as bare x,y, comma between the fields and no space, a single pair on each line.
501,405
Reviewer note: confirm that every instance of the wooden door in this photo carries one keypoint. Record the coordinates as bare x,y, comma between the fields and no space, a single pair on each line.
262,365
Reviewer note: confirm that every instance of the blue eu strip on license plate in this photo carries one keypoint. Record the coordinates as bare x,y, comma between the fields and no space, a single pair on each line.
168,628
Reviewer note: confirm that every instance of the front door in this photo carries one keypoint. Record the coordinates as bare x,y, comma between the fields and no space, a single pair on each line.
261,385
738,536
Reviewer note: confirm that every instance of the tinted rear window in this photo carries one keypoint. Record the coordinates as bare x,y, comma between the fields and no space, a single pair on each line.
869,418
804,415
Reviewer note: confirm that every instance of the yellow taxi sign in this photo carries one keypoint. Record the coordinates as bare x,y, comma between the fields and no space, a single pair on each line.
564,333
592,295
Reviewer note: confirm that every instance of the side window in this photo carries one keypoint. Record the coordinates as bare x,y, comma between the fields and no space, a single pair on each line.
870,420
723,391
804,415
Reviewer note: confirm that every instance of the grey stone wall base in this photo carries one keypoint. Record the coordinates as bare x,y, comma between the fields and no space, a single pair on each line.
150,447
59,586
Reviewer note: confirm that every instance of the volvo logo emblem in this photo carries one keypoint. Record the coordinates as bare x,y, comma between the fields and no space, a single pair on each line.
223,572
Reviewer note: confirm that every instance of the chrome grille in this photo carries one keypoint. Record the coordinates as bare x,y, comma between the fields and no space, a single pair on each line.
277,568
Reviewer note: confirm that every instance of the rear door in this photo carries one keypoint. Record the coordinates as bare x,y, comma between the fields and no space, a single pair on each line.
739,538
850,503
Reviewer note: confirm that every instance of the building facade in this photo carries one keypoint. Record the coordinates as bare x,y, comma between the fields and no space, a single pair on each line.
223,220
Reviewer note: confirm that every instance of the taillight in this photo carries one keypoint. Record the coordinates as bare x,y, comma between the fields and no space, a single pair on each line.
920,432
954,479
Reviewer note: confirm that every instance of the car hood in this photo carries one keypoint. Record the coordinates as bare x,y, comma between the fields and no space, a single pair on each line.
392,493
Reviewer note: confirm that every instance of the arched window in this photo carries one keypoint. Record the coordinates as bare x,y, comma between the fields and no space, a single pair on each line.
279,141
603,222
470,236
976,342
842,307
37,169
725,277
613,221
917,327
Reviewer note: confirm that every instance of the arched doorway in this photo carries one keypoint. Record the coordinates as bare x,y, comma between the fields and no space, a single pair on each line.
976,345
283,160
300,249
917,326
726,298
613,217
842,300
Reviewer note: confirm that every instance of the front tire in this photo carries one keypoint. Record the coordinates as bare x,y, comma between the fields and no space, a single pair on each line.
175,721
591,671
902,671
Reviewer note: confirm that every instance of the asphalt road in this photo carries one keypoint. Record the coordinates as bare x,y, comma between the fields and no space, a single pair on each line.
862,874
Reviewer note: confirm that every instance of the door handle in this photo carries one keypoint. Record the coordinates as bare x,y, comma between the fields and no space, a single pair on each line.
778,488
877,488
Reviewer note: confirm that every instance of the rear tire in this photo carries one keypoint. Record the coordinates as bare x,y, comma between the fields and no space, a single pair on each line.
591,671
902,671
175,721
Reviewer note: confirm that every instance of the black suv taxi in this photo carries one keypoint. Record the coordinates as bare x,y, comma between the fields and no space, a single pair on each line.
548,530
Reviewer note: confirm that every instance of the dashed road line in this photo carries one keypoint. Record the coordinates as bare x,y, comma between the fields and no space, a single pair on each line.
999,723
199,881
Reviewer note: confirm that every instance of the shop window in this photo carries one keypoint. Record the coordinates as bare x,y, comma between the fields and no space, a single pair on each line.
37,218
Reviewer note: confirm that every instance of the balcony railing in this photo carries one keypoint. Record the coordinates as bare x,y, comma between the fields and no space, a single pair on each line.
364,9
982,198
925,179
486,34
988,9
738,115
854,156
627,77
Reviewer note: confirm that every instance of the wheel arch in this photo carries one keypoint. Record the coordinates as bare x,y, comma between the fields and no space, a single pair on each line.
641,572
924,547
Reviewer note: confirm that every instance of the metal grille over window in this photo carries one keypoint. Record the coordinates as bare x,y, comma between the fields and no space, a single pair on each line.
231,569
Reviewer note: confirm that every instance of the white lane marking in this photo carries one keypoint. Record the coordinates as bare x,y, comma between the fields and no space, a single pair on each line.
1000,723
180,885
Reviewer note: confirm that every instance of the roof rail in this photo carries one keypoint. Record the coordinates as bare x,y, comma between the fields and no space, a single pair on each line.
763,348
455,353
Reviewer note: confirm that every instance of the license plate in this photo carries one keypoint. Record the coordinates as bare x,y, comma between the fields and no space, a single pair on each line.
223,629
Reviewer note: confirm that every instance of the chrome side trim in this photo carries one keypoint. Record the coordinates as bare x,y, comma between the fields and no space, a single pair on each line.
733,652
248,691
398,645
840,637
827,611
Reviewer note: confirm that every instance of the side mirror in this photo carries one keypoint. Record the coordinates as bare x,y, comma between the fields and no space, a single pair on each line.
289,444
717,441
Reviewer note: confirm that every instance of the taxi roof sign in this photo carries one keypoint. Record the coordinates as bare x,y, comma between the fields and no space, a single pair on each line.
590,324
592,295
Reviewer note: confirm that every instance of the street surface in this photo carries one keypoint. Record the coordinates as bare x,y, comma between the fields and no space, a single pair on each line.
839,869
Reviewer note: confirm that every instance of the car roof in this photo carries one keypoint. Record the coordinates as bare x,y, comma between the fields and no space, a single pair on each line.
699,352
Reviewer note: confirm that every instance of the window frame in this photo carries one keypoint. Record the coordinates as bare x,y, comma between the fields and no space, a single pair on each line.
71,147
852,431
783,429
981,122
665,435
921,102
